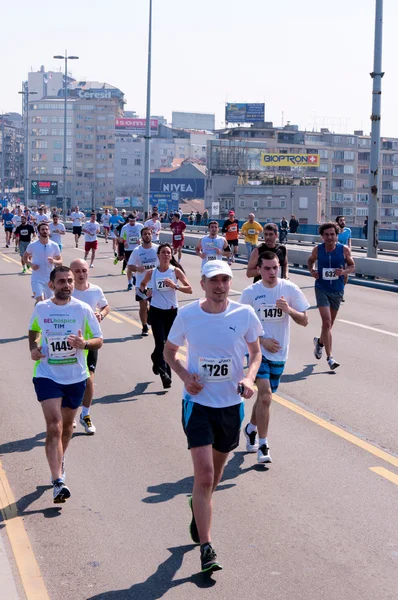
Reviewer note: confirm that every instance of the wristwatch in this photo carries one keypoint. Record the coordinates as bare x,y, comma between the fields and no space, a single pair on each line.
86,346
177,287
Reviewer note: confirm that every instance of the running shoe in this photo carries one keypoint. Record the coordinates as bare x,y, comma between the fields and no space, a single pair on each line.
24,270
7,246
134,280
91,266
16,249
77,245
251,440
123,272
263,455
74,424
166,379
115,260
87,424
145,330
193,530
60,492
155,370
129,287
208,559
333,364
318,349
229,262
28,266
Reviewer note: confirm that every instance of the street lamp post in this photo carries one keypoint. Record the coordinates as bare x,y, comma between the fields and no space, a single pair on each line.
147,170
25,92
3,155
65,58
377,75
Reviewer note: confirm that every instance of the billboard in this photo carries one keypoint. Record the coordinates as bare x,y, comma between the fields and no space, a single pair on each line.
186,188
136,125
165,201
244,113
44,188
289,160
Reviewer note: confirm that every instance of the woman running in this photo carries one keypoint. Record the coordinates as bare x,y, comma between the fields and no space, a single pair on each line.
163,283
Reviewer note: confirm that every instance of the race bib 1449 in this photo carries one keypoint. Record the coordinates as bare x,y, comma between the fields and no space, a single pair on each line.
60,352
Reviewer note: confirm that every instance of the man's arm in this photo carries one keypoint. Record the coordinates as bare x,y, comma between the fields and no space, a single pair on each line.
350,264
255,357
35,349
226,250
251,270
103,312
198,249
299,317
56,260
190,380
311,262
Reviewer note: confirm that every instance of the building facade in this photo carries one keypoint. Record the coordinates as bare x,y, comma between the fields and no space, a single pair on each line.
12,144
344,162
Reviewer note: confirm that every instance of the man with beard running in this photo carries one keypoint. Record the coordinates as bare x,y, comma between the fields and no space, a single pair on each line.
334,261
93,296
270,232
143,260
61,331
212,246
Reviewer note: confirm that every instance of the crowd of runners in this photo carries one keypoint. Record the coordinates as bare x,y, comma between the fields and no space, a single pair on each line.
235,349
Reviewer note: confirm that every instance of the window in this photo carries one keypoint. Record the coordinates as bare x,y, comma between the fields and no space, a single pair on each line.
388,171
137,161
68,158
323,153
338,154
268,203
364,156
362,212
364,171
39,119
335,211
242,203
39,144
347,212
57,170
303,203
255,203
337,197
394,199
283,203
337,139
338,169
123,161
395,185
337,183
123,173
323,168
348,197
348,155
349,183
349,169
54,120
386,198
57,157
57,145
362,197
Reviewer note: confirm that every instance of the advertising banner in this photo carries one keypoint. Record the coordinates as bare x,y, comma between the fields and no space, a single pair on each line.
137,126
289,160
215,209
244,113
44,188
186,188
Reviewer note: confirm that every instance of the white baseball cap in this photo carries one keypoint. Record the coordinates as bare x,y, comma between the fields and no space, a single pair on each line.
216,267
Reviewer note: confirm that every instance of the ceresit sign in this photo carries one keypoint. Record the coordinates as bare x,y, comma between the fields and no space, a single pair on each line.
289,160
106,95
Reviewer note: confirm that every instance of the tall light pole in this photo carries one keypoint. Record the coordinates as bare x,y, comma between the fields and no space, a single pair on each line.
3,155
65,58
374,202
147,164
25,105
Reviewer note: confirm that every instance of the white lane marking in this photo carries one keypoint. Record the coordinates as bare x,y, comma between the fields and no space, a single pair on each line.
236,291
368,327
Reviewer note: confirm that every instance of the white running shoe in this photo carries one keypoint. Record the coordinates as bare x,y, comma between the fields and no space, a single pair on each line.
263,455
87,424
318,349
60,492
251,440
333,364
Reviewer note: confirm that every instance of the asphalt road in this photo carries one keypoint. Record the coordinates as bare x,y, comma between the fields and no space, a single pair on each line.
318,523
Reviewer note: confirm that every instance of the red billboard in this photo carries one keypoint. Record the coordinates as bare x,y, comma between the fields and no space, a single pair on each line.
136,125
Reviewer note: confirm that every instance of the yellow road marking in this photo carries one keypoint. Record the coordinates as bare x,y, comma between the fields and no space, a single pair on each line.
132,321
28,568
385,473
109,316
338,431
7,257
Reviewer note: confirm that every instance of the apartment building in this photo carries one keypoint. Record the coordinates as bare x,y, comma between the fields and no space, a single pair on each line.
92,108
344,162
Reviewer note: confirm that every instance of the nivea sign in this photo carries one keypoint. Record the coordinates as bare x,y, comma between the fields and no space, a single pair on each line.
185,188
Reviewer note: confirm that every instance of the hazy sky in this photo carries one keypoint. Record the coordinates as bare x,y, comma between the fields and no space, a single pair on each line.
309,59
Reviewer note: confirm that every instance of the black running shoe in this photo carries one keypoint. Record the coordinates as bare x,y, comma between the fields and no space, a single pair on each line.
208,558
145,330
155,370
60,491
193,530
166,379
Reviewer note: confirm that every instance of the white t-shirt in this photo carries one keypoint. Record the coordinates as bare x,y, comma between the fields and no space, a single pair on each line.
131,233
63,363
93,296
208,246
16,220
40,218
217,345
143,257
105,219
40,253
77,218
155,227
56,237
163,297
276,324
90,230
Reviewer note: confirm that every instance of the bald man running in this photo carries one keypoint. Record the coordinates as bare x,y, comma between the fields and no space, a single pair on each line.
94,297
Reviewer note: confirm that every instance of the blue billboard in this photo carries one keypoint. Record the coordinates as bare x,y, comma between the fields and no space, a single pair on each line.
244,113
185,188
